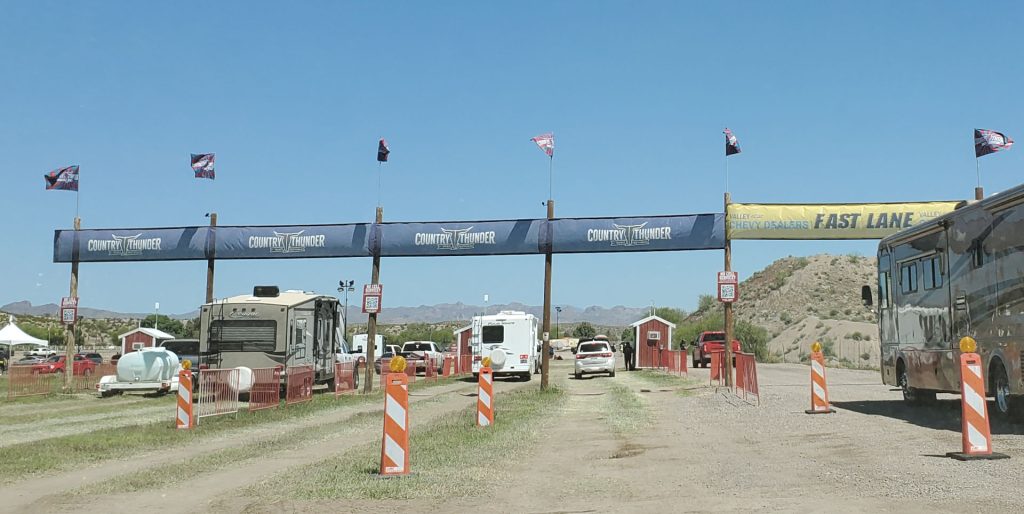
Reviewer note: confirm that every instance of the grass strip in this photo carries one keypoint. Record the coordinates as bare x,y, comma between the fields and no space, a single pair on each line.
190,468
20,461
626,411
120,405
448,456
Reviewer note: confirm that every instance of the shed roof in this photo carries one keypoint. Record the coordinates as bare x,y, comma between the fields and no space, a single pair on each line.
652,318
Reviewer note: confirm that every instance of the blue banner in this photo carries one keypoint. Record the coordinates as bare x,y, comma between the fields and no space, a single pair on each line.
512,237
638,234
509,237
293,241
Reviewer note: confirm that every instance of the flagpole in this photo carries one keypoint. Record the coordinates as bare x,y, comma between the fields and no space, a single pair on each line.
551,180
379,163
727,173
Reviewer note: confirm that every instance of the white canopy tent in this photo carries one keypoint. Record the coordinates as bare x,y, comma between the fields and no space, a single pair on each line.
11,336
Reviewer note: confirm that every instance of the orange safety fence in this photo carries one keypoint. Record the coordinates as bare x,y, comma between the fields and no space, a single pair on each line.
465,364
385,368
430,371
410,371
448,368
746,376
87,379
24,381
344,378
718,367
299,384
674,361
265,392
216,393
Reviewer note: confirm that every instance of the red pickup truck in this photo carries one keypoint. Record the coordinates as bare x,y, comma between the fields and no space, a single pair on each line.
708,342
55,364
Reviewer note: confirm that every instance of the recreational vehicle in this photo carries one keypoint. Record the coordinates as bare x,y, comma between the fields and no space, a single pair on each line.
961,274
270,328
510,339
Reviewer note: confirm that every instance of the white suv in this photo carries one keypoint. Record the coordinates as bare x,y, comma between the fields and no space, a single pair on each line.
594,357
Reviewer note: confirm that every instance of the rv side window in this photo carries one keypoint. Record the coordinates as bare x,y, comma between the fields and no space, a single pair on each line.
883,290
494,334
908,277
980,256
932,270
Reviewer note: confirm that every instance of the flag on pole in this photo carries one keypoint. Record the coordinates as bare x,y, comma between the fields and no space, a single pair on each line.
63,178
732,145
382,150
990,141
202,165
546,142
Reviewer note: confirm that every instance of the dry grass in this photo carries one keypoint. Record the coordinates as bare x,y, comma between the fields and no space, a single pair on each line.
448,457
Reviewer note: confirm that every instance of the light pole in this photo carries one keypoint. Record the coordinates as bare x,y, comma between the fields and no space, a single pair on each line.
345,286
557,311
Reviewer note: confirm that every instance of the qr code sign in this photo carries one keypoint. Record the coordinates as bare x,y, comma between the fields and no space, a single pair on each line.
727,292
371,304
67,315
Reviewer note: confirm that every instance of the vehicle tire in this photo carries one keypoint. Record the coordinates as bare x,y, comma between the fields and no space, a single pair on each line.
695,361
611,373
107,394
1000,387
579,376
912,394
526,376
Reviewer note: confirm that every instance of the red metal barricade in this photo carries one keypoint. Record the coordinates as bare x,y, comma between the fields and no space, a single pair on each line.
431,368
410,370
216,393
299,386
86,380
746,376
465,364
448,368
21,381
265,392
385,368
718,367
344,378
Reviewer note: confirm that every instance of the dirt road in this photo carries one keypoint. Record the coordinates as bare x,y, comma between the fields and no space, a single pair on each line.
697,449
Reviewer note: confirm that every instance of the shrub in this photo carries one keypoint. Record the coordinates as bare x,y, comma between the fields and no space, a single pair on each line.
785,318
865,356
857,336
819,325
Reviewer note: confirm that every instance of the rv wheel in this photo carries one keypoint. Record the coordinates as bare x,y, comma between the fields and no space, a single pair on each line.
1001,389
912,394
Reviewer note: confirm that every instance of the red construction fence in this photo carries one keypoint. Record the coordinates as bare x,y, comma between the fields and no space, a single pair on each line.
216,393
25,381
746,376
299,384
265,391
345,378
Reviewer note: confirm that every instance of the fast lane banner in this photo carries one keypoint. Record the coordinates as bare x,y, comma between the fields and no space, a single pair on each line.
829,221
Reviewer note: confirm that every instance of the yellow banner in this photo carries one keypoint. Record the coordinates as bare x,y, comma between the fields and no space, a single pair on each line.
829,221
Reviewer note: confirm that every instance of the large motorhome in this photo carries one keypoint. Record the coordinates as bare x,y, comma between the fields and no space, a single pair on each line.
961,274
270,328
509,338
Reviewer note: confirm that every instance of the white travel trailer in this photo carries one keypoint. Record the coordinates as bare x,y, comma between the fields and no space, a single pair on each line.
510,339
272,328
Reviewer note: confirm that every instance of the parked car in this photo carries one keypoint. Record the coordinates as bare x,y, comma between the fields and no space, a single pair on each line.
95,357
594,357
389,351
40,351
418,353
185,349
27,360
56,364
707,342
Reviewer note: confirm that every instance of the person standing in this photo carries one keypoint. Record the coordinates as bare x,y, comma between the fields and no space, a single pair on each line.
629,354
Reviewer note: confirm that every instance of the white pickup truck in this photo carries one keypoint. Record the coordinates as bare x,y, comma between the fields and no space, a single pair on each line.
417,353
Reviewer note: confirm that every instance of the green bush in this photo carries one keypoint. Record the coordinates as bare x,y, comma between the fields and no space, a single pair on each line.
865,356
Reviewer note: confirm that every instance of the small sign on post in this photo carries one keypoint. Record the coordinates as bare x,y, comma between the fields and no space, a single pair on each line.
371,298
69,310
728,290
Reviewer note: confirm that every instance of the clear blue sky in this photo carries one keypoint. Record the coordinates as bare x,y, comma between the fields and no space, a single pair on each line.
858,101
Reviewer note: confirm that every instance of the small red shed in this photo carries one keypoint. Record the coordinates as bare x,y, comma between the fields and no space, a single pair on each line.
142,338
652,335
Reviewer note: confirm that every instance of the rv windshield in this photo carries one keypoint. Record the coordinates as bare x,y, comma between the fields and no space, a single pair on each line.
494,334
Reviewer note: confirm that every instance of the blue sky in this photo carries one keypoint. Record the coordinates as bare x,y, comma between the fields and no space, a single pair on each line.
850,102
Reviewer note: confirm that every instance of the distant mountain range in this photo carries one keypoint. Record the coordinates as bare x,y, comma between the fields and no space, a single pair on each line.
608,316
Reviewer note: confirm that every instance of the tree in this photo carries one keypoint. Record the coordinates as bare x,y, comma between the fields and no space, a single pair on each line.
670,314
584,330
705,303
165,324
627,334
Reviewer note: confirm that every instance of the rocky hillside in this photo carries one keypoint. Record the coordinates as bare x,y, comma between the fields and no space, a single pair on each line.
800,300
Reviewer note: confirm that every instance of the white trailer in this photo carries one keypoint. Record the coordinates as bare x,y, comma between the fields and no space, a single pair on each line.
510,339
